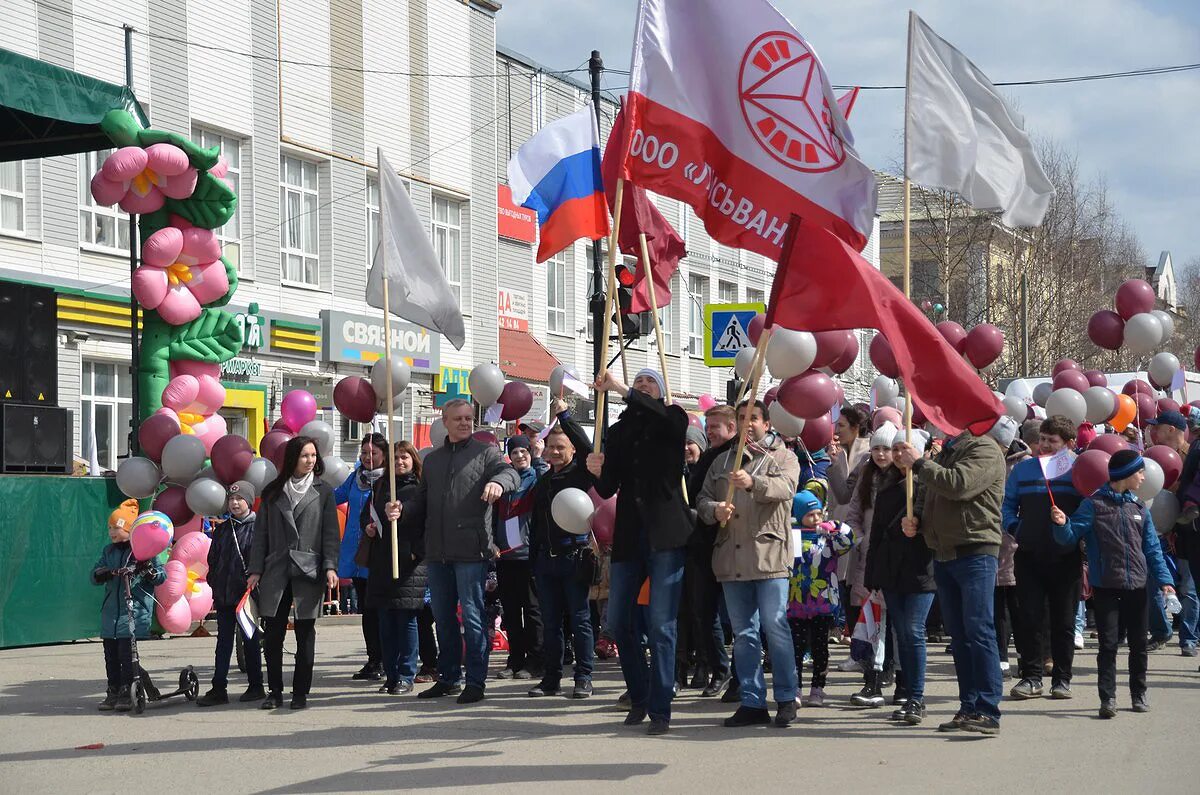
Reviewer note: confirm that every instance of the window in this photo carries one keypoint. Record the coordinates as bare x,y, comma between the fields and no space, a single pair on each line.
727,292
666,318
755,296
372,219
298,255
230,234
698,287
447,241
106,408
556,292
591,285
102,227
12,196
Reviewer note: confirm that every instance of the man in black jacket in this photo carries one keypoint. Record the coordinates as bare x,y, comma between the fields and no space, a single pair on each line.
643,459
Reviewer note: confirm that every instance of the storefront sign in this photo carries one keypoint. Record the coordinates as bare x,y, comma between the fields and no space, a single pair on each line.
357,339
513,310
252,324
240,369
513,222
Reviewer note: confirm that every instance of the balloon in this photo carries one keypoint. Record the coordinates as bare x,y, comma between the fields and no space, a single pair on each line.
191,550
954,334
150,534
783,422
706,402
755,329
175,617
355,398
182,457
770,396
1019,387
200,601
883,358
1153,483
1167,404
556,379
175,584
487,437
1147,409
695,421
1196,358
231,457
1109,443
808,395
1137,385
1068,403
194,526
1143,333
1167,322
790,352
272,447
1101,404
830,346
1065,364
1163,368
1041,393
1107,329
571,510
1014,407
486,382
517,399
817,432
1134,297
1096,378
280,425
173,503
984,345
1090,471
743,362
155,432
320,432
400,373
138,477
260,473
336,470
206,497
604,518
887,415
1126,411
1169,461
297,409
437,432
424,451
1164,511
1071,379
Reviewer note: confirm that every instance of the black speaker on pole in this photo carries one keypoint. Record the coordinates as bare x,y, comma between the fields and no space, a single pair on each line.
28,344
35,439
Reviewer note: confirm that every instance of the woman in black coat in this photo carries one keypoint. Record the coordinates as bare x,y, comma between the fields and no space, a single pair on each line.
399,601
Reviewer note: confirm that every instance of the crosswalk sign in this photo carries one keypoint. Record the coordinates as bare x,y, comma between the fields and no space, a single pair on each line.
726,331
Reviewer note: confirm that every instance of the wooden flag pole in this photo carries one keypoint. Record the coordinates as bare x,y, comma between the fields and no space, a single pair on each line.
609,294
755,374
908,476
391,463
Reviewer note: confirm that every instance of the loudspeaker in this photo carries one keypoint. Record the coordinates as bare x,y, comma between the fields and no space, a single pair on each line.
35,439
28,344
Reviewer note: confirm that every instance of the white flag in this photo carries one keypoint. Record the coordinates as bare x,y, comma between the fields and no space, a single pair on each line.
93,457
417,287
1057,465
962,136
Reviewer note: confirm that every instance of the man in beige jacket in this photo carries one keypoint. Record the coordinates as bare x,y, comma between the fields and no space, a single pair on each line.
752,559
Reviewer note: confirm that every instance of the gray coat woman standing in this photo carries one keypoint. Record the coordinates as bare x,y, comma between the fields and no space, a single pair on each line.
293,559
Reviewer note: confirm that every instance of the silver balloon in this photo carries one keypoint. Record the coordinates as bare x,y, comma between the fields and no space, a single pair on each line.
138,477
1163,368
401,375
1068,403
556,379
437,433
1153,484
784,423
336,470
206,474
572,510
886,390
1016,408
424,451
1041,393
1019,387
1143,333
486,382
1164,510
182,458
1167,322
322,434
743,362
790,352
206,497
259,474
1101,403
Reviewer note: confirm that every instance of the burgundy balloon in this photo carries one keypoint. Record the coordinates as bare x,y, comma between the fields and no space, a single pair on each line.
755,329
517,399
1134,296
1071,379
984,345
1096,378
173,502
231,457
1137,385
1109,443
281,425
154,433
1107,329
1169,460
1147,408
354,397
848,357
830,346
954,334
771,396
841,394
272,445
1065,364
883,358
817,433
808,395
1196,358
1090,471
487,437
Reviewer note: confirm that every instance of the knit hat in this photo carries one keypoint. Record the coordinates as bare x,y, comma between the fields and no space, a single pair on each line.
696,436
658,379
805,502
919,442
1123,464
518,442
122,518
243,489
885,435
1004,431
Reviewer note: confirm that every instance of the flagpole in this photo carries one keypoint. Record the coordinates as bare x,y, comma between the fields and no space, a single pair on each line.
391,463
756,369
609,287
908,476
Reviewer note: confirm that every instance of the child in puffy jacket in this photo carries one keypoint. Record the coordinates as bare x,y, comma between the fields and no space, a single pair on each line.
813,590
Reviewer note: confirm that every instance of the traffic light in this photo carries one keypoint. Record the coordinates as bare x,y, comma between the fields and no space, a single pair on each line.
631,323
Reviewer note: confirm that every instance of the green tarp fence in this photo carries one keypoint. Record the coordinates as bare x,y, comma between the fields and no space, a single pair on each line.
51,532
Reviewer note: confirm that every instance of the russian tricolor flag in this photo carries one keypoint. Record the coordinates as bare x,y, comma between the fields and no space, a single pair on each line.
556,173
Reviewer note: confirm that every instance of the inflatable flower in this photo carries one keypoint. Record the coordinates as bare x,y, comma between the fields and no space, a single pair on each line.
181,270
141,180
207,428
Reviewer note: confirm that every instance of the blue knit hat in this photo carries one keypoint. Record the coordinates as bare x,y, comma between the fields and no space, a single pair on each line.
804,502
1123,464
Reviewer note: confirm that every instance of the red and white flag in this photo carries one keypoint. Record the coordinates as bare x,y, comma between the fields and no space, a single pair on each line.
730,111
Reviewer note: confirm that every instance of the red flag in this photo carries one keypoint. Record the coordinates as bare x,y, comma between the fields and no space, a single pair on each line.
639,215
822,284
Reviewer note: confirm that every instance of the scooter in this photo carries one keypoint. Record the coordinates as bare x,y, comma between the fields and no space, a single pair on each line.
143,685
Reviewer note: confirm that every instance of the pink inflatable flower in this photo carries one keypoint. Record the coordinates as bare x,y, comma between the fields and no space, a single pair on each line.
207,428
141,180
181,269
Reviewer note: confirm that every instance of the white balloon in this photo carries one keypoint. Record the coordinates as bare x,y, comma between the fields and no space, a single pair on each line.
1164,510
1167,322
1143,333
401,375
486,382
205,497
790,352
1019,388
437,433
1153,484
336,470
784,423
322,434
1163,368
886,390
743,362
1041,393
572,510
1101,403
1068,403
1016,408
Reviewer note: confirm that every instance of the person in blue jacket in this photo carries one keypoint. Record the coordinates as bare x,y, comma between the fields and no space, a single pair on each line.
1123,553
356,493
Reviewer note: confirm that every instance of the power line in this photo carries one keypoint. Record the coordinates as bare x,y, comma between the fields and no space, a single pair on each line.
1151,70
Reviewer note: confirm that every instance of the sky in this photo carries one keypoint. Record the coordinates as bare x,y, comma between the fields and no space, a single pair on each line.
1138,134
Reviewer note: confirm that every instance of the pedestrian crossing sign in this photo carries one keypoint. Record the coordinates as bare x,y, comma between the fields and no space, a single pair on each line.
726,331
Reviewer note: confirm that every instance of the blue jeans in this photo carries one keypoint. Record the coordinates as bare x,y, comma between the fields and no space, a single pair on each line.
227,627
561,592
651,686
1081,618
452,584
1160,625
751,605
1186,590
965,594
906,616
399,643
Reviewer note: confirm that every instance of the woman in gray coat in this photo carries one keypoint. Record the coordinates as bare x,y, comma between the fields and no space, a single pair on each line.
293,559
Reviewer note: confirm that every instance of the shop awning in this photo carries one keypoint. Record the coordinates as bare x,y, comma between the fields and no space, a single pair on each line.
46,110
524,358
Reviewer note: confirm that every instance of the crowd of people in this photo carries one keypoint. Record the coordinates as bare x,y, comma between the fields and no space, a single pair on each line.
727,535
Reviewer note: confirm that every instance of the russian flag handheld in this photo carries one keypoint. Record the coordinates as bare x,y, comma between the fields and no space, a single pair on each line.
556,173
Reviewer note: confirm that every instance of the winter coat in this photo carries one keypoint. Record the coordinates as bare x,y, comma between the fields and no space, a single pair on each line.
114,619
705,534
458,524
859,517
1122,545
814,464
813,586
515,508
1026,511
963,492
355,494
228,558
545,532
407,592
897,563
843,473
756,542
311,526
643,460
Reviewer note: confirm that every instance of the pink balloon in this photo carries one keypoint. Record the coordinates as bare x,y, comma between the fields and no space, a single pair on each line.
297,409
1065,364
196,524
1096,378
817,433
706,402
954,334
1166,404
830,347
231,457
808,395
694,421
1107,329
770,396
191,550
755,329
171,501
984,345
149,539
848,357
199,601
175,617
1109,443
355,398
1135,386
1090,471
883,358
1134,296
886,414
272,447
175,584
604,519
1071,379
1169,460
517,399
155,432
209,430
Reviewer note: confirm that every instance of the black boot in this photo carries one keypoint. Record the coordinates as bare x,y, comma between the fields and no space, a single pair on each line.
124,699
110,700
871,695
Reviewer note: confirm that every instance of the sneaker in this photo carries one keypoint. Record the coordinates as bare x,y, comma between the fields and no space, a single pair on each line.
387,687
898,714
1061,690
785,714
887,678
124,700
507,673
403,688
1189,651
1078,640
426,675
1140,704
213,697
582,689
982,724
1155,644
956,724
850,665
370,672
733,694
110,701
913,712
523,674
272,701
869,696
470,694
543,689
658,726
252,694
440,689
715,684
748,716
816,697
1027,688
1108,709
899,696
636,715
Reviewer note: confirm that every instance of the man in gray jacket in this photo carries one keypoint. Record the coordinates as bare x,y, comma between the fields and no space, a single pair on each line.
461,481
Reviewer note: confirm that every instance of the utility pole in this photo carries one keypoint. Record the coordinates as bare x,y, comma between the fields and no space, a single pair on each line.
135,347
596,300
